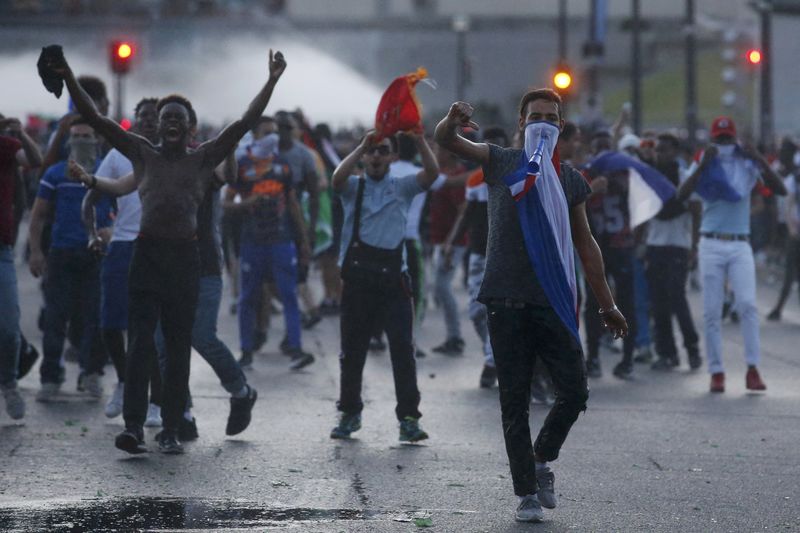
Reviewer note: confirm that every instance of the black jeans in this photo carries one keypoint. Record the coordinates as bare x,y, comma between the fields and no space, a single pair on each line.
619,266
667,271
519,337
362,310
163,286
72,293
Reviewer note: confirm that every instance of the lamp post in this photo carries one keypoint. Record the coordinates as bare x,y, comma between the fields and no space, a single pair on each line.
461,27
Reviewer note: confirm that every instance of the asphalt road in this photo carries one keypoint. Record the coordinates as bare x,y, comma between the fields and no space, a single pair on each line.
658,454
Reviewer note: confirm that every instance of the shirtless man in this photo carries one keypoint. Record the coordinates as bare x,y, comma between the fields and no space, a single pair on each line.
172,181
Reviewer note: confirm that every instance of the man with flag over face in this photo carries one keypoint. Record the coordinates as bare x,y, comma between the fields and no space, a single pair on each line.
724,176
536,216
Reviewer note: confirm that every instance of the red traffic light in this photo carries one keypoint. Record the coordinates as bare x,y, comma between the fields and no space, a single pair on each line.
754,56
122,53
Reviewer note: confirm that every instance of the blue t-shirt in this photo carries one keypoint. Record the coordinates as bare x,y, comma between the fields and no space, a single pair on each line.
66,197
383,211
720,216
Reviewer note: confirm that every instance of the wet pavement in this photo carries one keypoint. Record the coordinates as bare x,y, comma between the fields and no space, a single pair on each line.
658,454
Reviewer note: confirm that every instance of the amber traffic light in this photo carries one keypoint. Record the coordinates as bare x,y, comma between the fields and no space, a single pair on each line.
122,53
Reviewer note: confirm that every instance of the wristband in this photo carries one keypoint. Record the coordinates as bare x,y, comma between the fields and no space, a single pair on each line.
609,310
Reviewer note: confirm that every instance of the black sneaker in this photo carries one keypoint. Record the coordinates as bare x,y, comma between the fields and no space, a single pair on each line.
452,346
311,319
593,369
300,359
662,364
774,315
168,442
187,430
246,360
695,361
376,344
488,377
286,349
419,354
131,441
623,371
81,385
27,358
241,412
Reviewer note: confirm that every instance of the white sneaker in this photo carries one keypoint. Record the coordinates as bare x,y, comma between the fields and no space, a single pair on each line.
114,405
529,509
48,392
15,405
93,385
153,417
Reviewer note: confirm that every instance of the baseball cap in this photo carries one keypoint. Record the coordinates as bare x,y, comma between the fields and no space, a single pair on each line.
723,126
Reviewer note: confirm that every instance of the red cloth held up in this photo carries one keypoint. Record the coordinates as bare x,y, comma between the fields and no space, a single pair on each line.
399,109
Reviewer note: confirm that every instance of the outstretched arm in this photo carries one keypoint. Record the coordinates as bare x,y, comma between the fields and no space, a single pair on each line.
111,131
446,134
226,141
430,166
112,187
348,164
29,155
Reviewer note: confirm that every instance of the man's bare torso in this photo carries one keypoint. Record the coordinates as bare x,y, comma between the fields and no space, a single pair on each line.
171,191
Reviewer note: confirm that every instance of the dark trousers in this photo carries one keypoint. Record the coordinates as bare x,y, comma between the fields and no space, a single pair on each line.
362,310
72,293
619,267
519,338
163,286
667,271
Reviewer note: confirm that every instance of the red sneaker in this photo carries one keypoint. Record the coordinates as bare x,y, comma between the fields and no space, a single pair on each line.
753,380
717,382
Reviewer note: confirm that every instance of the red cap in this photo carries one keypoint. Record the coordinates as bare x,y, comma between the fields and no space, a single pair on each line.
723,126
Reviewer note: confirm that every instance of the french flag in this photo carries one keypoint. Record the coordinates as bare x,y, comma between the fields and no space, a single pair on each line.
648,189
544,219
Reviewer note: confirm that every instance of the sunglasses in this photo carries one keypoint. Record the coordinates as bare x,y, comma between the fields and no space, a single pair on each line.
382,150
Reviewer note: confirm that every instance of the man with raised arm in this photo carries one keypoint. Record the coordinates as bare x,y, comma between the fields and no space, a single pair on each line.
172,181
536,216
376,289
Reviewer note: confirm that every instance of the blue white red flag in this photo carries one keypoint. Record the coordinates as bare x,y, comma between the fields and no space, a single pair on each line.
544,218
648,189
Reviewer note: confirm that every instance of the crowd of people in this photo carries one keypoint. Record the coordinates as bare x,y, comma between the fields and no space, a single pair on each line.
132,233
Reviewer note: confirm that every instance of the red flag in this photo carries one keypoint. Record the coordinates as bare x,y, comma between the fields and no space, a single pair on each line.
399,109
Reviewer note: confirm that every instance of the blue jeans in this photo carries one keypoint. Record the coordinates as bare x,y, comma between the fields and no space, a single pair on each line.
73,289
9,318
257,260
204,337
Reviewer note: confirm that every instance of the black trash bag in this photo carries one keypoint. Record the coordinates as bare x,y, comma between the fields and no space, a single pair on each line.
51,55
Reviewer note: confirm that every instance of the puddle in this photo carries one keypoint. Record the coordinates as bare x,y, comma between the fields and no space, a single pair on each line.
165,514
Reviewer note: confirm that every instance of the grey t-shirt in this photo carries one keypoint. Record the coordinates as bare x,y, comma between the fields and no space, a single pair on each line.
301,162
509,272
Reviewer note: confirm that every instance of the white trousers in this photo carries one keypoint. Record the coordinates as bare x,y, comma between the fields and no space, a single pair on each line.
732,261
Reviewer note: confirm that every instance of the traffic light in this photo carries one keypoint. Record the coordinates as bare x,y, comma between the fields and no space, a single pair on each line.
122,53
754,56
562,80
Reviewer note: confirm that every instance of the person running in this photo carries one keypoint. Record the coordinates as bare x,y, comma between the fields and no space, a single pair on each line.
172,181
274,242
530,290
16,148
73,269
376,288
474,221
117,261
724,252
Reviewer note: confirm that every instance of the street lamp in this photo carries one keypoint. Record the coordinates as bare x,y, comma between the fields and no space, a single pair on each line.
461,25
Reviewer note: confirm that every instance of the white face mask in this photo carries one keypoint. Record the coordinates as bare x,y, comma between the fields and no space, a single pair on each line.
725,150
540,141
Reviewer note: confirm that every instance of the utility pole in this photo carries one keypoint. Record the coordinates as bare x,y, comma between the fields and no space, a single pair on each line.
691,74
562,31
636,66
461,27
765,9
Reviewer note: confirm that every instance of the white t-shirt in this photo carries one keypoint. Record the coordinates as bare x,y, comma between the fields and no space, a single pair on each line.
673,232
406,168
129,207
